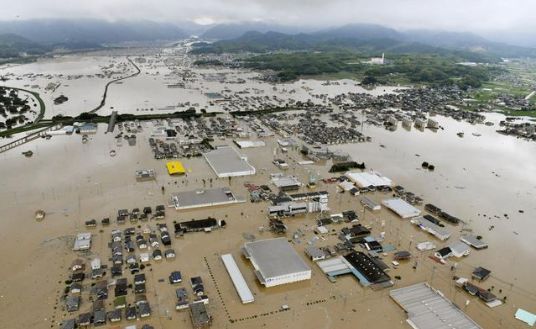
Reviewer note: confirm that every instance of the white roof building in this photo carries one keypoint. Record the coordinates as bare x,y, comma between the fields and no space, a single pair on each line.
366,179
82,242
436,230
227,162
459,249
238,280
95,264
401,208
249,144
276,262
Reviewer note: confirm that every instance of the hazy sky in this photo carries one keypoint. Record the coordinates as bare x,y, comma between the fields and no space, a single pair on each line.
461,15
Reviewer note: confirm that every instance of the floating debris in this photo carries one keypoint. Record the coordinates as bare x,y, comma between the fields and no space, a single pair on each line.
40,215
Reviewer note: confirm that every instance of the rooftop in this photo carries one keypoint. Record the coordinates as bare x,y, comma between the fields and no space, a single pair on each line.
203,198
473,241
401,208
429,309
227,162
175,168
366,179
238,280
274,257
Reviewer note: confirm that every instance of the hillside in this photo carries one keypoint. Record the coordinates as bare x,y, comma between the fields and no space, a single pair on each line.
372,40
235,30
12,45
90,31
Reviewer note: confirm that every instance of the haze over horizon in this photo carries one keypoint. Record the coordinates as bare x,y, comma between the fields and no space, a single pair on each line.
491,18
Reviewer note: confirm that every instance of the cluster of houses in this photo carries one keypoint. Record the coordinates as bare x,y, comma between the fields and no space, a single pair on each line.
198,311
133,216
479,274
147,241
141,215
99,292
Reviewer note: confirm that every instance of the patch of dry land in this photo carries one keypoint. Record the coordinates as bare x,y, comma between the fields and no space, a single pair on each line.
74,182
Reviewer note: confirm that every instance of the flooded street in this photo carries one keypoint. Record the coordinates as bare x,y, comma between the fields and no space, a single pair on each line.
479,179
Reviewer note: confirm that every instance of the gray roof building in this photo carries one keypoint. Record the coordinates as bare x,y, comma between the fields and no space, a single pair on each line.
427,308
227,162
276,262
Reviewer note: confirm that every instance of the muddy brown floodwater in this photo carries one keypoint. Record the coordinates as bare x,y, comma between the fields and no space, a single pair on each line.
75,182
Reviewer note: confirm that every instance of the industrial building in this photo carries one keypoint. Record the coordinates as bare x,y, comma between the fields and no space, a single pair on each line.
401,208
227,162
249,144
199,225
428,308
286,183
364,269
276,262
287,209
432,228
367,179
203,198
291,208
238,279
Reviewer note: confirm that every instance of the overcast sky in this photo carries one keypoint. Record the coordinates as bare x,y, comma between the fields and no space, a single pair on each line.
460,15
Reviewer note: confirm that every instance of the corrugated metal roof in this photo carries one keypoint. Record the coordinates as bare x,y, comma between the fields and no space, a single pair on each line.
427,308
334,265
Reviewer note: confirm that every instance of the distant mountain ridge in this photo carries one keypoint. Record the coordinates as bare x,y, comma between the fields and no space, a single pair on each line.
235,30
91,31
49,34
12,45
372,38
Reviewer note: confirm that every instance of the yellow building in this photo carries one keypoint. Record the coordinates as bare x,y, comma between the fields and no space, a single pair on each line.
175,168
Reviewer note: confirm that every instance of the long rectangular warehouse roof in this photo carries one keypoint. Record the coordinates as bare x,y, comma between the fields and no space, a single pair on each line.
238,280
436,230
428,308
401,208
227,162
366,179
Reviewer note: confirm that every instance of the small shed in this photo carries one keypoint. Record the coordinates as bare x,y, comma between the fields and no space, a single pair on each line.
481,273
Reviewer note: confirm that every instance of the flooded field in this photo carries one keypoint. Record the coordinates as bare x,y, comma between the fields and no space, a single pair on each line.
168,83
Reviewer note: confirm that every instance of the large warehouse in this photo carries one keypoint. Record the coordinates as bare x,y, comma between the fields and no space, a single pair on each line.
227,162
276,262
428,308
203,198
367,179
401,208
